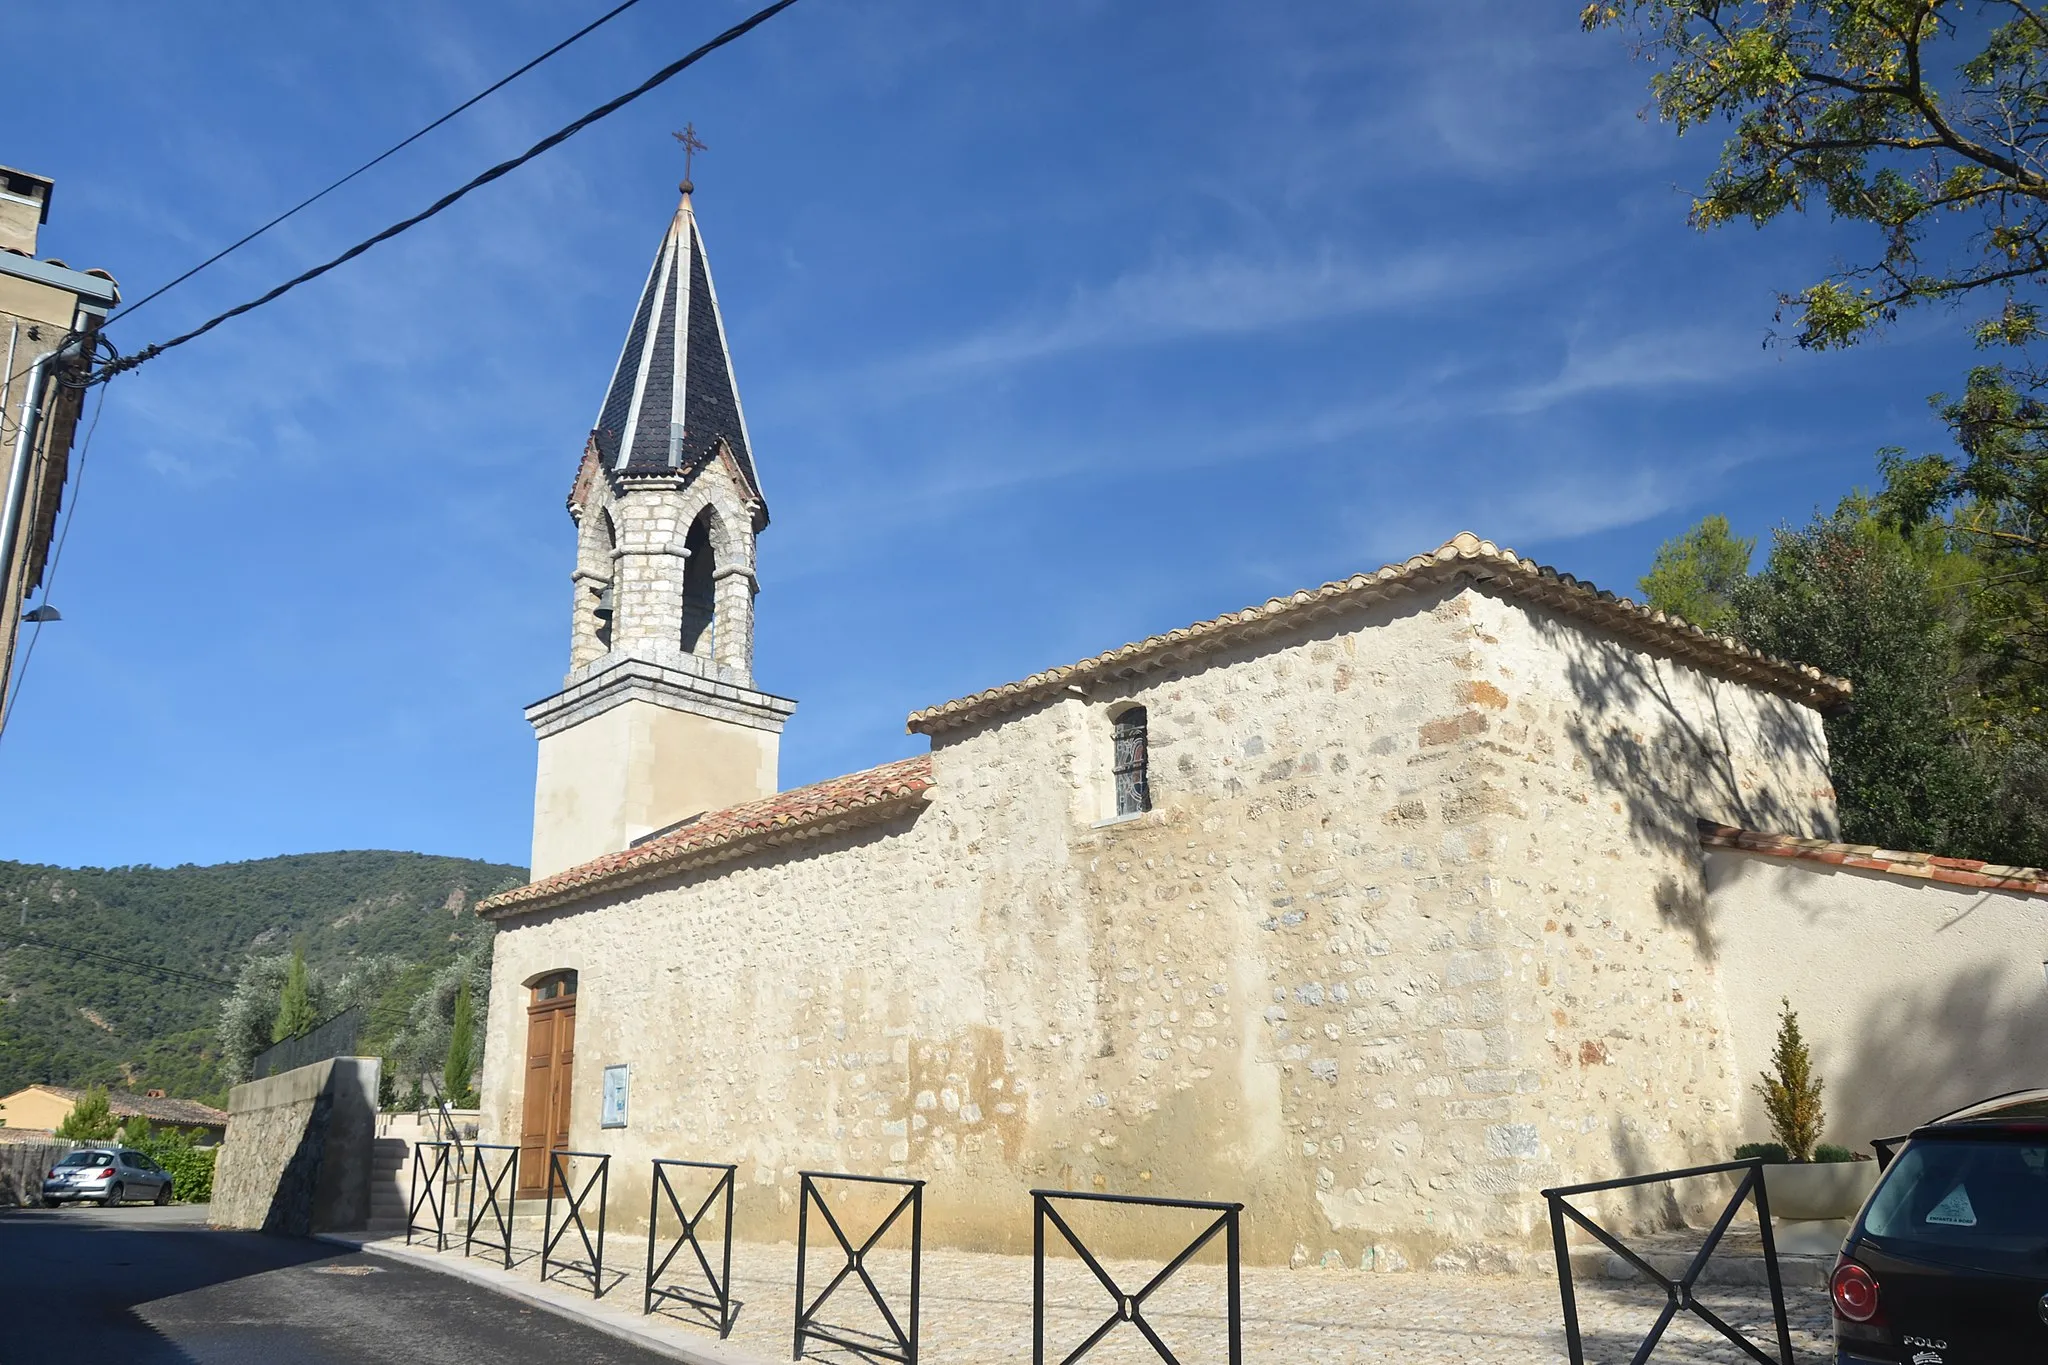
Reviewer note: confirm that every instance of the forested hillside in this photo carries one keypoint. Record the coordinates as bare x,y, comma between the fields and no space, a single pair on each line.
73,1019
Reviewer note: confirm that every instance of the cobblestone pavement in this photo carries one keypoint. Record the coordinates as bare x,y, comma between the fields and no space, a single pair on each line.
976,1309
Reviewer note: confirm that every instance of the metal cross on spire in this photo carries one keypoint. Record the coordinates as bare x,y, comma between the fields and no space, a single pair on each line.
691,146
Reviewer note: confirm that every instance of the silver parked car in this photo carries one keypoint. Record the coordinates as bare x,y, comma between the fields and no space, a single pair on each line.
107,1175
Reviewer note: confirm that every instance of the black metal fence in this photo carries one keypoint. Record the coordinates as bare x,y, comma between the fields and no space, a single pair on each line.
1678,1292
901,1343
335,1037
500,1190
429,1160
573,1200
719,1299
1130,1307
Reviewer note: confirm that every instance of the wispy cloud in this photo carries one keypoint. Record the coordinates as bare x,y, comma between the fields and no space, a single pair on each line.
1672,358
1178,298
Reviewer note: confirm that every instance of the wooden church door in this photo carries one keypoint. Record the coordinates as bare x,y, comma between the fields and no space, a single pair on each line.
550,1068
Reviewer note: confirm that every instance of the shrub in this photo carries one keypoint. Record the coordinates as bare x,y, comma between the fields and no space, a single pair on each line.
1792,1095
191,1167
1829,1151
1772,1152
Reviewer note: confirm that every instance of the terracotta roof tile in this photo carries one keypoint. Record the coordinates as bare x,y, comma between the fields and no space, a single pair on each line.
157,1109
860,798
2025,881
1465,555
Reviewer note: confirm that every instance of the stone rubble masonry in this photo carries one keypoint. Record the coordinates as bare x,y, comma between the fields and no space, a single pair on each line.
297,1156
1406,937
22,1168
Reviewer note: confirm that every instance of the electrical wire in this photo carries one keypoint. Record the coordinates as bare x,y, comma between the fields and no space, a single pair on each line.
737,31
587,29
77,482
93,955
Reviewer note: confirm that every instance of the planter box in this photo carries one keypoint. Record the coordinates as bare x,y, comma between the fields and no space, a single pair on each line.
1820,1189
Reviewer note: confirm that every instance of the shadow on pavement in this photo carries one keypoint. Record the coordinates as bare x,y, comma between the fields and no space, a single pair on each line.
75,1277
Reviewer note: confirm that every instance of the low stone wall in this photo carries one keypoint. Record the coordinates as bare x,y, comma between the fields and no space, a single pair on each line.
297,1155
22,1165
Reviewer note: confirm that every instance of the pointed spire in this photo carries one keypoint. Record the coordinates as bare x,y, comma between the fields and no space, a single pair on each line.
673,401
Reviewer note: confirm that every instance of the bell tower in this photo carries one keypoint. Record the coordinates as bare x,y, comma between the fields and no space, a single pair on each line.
659,720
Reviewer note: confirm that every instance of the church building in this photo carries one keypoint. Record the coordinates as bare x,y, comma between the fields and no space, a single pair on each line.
1379,906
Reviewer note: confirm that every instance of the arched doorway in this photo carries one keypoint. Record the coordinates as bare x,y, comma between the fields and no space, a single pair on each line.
550,1069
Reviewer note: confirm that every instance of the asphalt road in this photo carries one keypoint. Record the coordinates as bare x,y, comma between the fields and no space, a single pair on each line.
148,1286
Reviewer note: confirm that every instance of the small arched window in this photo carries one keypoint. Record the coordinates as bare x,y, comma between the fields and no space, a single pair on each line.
1133,785
554,987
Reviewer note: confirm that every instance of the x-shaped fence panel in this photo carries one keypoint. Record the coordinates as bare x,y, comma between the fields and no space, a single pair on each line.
431,1194
1131,1307
573,1200
1678,1292
902,1343
720,1280
500,1191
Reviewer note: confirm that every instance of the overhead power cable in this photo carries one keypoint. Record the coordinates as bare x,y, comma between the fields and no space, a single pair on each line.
92,955
388,152
737,31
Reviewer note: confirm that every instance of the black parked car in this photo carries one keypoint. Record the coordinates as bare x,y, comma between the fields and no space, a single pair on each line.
1948,1264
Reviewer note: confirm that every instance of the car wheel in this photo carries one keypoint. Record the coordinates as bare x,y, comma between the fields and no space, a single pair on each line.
163,1193
115,1194
49,1203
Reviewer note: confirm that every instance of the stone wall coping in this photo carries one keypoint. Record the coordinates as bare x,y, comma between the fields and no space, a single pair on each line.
1466,556
614,681
863,798
1971,872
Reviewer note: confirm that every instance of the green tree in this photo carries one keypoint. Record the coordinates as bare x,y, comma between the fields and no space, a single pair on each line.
136,1130
90,1120
1856,598
455,1071
1791,1092
1696,575
295,1002
1921,122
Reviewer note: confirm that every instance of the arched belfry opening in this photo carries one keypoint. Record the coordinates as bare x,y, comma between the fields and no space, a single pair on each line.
700,589
607,595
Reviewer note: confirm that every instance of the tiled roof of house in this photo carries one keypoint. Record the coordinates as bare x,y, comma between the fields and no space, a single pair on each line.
1464,556
861,798
2026,881
157,1109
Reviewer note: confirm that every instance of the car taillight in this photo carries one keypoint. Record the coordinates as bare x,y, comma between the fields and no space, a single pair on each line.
1855,1292
107,1174
52,1175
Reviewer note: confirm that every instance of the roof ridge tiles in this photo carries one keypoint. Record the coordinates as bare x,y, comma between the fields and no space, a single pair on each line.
1934,867
1461,554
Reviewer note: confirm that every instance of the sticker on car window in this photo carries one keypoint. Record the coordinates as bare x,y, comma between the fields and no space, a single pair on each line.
1954,1210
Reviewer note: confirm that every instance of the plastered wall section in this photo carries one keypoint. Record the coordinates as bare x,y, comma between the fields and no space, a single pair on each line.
638,767
1915,998
1402,942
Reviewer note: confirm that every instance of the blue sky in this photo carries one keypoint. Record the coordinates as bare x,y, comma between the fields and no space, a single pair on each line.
1056,324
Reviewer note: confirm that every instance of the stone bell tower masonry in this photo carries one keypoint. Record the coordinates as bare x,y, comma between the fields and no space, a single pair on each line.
658,720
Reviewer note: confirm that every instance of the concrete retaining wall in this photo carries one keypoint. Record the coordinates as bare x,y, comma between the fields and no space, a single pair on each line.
297,1155
21,1170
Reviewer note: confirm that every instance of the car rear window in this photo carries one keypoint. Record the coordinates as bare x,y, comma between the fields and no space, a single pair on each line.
1981,1202
86,1159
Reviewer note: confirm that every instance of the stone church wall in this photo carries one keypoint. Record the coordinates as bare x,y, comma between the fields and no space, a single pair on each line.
1407,935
